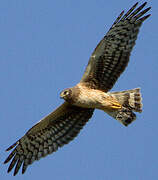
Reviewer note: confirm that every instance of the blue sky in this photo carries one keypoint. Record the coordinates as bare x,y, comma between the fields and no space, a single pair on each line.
45,47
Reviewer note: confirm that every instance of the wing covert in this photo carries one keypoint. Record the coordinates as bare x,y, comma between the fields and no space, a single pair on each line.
55,130
111,55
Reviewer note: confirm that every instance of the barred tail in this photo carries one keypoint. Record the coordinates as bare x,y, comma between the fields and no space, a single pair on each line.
130,98
130,101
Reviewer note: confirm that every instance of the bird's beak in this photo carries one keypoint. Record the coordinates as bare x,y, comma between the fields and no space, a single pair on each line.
61,97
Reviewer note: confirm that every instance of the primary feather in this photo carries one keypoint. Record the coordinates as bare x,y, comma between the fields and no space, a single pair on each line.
112,54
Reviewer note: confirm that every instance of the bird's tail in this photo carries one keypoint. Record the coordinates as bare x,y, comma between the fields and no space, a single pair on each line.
130,101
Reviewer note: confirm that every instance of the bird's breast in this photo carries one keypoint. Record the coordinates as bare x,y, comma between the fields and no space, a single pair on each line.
91,98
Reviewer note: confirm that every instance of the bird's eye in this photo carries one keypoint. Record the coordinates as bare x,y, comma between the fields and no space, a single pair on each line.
65,92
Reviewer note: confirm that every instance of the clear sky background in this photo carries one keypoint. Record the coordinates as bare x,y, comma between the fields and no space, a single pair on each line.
44,48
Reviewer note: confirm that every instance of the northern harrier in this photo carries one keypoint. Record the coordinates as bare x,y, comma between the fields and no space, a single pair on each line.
106,63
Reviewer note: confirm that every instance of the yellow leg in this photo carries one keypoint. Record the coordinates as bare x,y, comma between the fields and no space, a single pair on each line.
116,106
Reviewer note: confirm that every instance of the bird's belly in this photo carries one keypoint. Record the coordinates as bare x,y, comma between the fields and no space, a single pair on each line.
92,99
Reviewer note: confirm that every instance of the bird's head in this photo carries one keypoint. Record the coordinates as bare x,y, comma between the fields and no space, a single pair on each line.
66,94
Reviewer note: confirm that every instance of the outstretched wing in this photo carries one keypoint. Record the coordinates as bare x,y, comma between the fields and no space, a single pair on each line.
55,130
111,56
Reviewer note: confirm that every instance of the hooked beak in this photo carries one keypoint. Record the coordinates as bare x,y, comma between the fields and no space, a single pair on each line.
61,97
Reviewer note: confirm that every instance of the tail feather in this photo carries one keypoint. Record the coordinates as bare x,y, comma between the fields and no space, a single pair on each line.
130,101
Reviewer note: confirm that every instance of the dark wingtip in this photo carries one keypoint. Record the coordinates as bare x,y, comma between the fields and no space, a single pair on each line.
15,173
135,5
148,8
5,162
12,146
145,3
148,16
9,169
10,156
23,171
122,13
144,18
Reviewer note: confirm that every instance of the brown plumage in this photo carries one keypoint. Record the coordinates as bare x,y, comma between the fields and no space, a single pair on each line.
52,132
111,55
130,101
106,64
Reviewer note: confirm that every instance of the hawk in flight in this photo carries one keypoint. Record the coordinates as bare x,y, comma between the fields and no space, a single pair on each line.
106,64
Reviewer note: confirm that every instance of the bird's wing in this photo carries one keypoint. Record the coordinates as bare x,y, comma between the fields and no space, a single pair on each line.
111,55
55,130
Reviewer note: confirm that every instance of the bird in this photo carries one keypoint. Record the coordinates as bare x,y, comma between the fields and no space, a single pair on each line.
107,62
